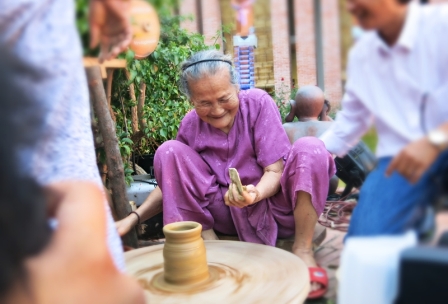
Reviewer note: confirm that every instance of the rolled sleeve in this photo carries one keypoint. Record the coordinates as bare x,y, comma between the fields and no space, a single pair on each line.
351,123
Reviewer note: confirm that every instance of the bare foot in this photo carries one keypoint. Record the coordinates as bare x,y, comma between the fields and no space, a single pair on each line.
209,235
307,255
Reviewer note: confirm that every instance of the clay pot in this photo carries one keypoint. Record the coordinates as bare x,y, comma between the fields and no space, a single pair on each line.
185,260
145,28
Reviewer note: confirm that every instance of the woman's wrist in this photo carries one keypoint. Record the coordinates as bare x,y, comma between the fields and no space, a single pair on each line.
258,196
134,218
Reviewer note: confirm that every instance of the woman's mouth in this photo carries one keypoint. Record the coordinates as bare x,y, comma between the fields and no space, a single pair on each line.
217,117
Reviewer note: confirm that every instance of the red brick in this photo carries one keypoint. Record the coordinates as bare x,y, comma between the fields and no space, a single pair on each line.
331,51
211,20
305,42
280,46
189,8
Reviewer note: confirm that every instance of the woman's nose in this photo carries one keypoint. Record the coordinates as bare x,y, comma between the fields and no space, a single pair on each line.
217,110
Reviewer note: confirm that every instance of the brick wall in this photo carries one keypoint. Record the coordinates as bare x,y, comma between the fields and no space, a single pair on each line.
305,42
280,45
331,51
211,20
189,8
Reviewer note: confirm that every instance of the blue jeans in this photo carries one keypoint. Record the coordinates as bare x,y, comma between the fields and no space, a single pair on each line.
391,205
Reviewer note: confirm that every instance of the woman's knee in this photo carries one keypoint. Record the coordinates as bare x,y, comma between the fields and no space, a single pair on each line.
167,150
309,144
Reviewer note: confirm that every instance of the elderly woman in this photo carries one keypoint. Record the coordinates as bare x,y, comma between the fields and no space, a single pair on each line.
228,128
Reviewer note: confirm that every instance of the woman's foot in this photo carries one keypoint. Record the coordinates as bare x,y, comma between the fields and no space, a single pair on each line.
307,255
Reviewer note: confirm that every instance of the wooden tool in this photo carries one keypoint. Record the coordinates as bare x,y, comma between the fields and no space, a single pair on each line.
235,178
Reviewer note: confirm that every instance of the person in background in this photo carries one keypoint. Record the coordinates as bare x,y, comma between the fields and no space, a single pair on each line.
308,106
397,79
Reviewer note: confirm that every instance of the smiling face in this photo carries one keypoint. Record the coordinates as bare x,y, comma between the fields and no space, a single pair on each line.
215,99
375,14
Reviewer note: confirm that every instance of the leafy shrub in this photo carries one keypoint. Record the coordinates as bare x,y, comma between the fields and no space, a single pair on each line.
164,105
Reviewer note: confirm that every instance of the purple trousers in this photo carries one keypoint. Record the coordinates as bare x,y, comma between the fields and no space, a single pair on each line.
191,192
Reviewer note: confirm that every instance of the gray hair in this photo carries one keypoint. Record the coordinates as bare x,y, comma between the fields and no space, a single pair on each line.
192,71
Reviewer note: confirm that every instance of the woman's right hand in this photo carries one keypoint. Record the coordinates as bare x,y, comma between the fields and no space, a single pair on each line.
125,225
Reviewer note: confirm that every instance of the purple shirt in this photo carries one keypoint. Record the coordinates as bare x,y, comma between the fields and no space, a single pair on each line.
255,141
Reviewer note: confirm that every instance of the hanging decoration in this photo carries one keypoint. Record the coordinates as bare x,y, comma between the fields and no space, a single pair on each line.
146,28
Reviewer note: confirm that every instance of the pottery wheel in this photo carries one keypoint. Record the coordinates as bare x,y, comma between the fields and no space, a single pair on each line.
240,272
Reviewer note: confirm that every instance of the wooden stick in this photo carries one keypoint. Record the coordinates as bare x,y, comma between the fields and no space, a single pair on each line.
140,105
113,157
110,77
134,116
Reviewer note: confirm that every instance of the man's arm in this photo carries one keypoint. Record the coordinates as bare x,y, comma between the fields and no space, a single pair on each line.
351,123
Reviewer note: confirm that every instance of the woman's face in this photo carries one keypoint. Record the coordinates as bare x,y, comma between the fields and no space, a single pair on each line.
215,99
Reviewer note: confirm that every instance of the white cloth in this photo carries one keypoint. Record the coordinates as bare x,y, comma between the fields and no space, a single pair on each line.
369,268
41,38
387,85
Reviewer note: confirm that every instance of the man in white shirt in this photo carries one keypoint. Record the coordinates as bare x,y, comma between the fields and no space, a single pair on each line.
397,80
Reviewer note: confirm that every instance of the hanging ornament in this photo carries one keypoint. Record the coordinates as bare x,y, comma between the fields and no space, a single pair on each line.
244,16
145,28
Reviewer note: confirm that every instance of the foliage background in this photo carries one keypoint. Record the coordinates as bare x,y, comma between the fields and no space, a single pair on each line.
164,105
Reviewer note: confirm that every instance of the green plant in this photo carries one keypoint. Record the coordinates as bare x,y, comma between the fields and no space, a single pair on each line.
164,105
282,96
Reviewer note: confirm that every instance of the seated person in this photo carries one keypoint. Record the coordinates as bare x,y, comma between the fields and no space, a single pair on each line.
286,185
308,106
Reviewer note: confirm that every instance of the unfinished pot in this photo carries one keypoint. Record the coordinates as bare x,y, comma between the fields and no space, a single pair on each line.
185,260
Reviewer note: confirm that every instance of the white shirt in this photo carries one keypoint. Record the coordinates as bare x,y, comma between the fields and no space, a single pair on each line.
387,85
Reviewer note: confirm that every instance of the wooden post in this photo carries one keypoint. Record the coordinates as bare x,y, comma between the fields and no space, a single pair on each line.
113,156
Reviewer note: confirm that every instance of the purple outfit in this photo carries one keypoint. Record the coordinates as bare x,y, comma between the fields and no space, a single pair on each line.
192,171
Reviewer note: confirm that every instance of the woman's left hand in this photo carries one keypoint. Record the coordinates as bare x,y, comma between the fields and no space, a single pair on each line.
248,197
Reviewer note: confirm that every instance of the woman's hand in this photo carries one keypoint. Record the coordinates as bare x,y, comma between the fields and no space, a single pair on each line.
125,225
249,196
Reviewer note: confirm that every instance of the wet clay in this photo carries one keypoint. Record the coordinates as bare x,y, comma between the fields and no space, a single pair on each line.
185,262
238,272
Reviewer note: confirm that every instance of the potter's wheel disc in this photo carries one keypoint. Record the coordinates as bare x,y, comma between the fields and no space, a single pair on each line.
242,273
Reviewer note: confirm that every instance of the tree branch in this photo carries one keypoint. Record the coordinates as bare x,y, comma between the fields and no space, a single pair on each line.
134,116
113,156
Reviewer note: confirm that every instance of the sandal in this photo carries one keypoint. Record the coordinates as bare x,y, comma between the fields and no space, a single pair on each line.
318,275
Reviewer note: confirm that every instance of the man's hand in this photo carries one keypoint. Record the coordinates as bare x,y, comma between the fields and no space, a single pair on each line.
110,26
248,197
414,160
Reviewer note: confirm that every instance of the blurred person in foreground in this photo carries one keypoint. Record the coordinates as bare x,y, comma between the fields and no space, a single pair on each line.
42,54
38,265
398,80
